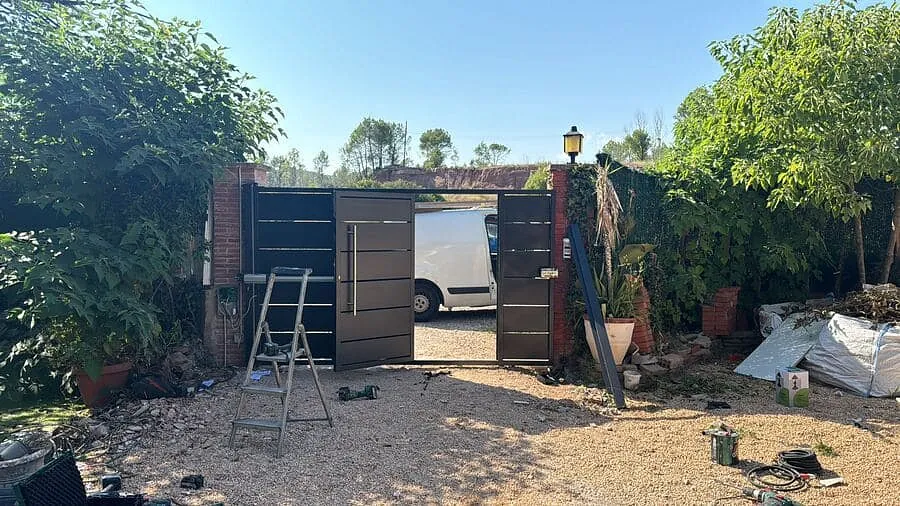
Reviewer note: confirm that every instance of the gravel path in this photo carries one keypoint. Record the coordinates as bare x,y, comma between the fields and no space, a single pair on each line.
479,436
459,335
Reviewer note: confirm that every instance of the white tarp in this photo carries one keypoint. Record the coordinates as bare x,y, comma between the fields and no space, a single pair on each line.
785,347
858,355
771,316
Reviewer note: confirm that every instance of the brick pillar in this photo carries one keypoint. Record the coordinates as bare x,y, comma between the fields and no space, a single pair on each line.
563,333
225,256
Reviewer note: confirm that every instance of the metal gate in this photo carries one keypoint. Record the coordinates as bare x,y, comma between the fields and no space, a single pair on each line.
375,274
292,228
362,240
360,246
523,305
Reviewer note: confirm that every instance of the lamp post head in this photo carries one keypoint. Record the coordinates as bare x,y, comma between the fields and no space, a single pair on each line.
572,141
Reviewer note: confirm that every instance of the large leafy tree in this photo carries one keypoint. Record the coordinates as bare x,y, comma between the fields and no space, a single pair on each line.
436,147
809,107
373,145
723,234
114,125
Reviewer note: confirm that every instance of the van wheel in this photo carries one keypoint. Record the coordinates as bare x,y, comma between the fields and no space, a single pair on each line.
426,302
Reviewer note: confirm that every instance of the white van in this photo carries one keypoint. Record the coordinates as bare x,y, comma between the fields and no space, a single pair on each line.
456,260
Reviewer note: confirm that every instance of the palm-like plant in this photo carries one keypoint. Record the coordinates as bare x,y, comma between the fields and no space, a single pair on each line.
609,210
619,282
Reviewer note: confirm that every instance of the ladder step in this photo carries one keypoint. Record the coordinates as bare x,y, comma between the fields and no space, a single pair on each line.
260,389
258,423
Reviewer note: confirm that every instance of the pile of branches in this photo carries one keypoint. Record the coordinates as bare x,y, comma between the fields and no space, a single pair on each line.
880,304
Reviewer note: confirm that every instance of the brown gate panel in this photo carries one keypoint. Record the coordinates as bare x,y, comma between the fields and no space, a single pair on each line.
373,265
380,294
380,236
525,243
374,232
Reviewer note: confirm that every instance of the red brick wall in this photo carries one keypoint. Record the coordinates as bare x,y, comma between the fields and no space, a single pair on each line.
562,329
225,257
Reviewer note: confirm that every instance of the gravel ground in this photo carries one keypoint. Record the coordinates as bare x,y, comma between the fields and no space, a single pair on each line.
459,335
478,436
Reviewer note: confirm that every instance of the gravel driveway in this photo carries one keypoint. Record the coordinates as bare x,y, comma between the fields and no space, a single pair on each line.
479,436
459,335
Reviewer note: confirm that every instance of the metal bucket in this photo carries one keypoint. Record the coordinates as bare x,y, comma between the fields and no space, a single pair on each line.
724,447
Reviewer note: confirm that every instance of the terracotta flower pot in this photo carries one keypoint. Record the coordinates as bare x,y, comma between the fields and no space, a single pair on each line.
98,392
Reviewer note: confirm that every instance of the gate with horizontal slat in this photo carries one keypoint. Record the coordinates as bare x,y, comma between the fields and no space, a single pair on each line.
360,246
292,228
523,305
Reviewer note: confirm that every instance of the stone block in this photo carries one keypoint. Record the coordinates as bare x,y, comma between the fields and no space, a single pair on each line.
672,361
652,369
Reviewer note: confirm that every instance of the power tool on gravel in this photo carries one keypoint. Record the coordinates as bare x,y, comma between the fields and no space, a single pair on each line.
368,392
768,497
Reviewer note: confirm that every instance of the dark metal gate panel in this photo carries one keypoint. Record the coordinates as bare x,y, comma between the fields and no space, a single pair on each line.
292,227
523,306
375,278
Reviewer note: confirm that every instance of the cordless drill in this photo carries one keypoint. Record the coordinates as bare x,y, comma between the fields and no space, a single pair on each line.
768,497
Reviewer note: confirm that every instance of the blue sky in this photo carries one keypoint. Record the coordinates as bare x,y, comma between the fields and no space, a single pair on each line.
515,72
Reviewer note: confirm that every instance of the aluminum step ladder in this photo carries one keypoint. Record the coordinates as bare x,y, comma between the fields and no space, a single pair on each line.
275,355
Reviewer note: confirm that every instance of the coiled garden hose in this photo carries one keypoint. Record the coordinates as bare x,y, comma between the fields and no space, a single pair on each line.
801,460
776,477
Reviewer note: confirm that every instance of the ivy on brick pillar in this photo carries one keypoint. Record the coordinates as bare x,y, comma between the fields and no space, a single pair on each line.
225,257
563,333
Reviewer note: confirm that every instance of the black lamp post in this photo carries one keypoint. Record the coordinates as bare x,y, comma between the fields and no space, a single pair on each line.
572,143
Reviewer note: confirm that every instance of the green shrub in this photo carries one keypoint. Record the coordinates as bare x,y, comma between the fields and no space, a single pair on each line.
120,150
539,179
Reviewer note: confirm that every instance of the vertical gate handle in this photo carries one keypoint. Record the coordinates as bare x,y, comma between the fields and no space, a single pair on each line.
351,264
355,270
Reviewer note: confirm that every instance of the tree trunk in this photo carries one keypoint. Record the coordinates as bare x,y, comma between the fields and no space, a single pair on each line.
860,250
838,278
892,243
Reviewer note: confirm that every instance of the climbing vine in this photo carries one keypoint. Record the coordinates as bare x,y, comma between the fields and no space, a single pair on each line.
708,234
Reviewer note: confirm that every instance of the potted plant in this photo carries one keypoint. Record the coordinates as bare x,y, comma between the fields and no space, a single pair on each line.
619,282
617,292
90,299
99,357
